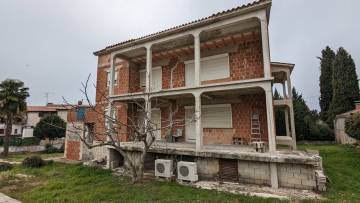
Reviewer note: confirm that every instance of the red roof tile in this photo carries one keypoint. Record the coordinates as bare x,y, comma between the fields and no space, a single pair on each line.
183,25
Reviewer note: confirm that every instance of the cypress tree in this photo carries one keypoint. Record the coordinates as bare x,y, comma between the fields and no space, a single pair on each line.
345,85
301,111
326,61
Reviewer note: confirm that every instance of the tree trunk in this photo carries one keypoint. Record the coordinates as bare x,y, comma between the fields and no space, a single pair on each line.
8,129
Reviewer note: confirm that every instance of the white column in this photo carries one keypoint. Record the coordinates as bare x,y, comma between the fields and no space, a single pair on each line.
147,109
148,68
284,90
288,84
270,118
287,122
265,46
198,126
197,58
112,74
291,108
292,125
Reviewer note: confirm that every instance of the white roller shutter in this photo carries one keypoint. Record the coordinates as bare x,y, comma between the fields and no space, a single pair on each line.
190,124
212,116
156,120
156,79
156,84
212,68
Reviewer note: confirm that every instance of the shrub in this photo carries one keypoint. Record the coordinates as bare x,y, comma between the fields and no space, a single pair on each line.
4,166
33,162
28,141
352,126
18,141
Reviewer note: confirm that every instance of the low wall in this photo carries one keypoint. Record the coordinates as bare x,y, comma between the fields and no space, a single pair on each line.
288,174
14,149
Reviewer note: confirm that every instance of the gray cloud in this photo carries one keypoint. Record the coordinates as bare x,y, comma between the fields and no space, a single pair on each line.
49,44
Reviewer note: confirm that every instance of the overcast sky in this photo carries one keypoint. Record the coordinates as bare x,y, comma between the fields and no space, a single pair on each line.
49,44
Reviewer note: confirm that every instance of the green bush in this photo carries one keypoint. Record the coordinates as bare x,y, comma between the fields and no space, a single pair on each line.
51,149
18,141
28,141
33,162
4,166
352,126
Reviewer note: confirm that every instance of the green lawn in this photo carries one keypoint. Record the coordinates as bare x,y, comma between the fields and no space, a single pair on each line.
71,183
74,183
18,157
342,166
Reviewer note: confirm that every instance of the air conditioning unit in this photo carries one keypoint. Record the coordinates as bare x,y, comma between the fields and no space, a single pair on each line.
163,168
187,171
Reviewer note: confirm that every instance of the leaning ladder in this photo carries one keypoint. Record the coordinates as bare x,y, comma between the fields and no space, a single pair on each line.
255,127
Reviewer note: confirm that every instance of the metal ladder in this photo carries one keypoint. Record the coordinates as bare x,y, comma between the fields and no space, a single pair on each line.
255,128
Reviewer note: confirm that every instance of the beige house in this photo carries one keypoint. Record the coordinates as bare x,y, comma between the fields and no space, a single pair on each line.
35,113
339,126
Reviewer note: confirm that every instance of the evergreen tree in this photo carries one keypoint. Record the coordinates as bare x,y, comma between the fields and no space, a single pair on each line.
302,116
326,61
345,85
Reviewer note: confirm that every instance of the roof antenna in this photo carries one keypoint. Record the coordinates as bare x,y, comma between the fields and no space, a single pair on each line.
47,94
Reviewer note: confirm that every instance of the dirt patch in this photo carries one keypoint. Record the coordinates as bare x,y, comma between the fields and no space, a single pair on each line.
11,182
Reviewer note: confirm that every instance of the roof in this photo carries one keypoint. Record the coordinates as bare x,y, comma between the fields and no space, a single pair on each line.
347,114
49,108
185,26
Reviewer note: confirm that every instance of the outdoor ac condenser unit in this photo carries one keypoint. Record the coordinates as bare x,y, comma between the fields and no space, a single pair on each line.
187,171
163,168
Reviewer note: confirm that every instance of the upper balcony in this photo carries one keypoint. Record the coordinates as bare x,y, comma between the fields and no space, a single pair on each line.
219,50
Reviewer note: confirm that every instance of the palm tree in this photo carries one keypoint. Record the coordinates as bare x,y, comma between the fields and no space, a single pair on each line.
13,96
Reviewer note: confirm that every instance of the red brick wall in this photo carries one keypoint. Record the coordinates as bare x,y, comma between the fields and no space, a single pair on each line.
73,150
178,76
179,118
247,62
241,112
241,115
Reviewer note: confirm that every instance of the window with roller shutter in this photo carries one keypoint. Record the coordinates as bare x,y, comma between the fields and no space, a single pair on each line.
211,68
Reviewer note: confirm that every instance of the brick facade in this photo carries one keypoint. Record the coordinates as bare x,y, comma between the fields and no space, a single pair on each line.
245,63
72,150
241,118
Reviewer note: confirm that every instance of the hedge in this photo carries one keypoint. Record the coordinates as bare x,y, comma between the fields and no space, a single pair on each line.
18,141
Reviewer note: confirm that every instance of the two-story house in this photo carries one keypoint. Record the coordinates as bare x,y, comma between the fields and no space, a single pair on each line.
217,68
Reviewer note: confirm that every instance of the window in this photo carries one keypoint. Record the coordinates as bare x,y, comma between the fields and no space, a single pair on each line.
80,113
108,78
116,77
212,67
156,75
15,131
2,131
213,116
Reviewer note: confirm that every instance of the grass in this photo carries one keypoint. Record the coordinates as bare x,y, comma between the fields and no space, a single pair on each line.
18,157
342,167
74,183
71,183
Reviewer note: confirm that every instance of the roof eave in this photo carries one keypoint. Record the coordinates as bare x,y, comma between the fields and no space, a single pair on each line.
151,37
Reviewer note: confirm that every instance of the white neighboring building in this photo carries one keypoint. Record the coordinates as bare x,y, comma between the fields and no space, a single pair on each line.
36,113
16,130
339,126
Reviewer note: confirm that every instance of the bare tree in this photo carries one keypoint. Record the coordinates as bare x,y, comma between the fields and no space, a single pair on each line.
139,128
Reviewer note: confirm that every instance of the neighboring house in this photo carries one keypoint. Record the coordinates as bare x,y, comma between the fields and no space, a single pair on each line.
16,130
219,69
80,122
339,126
36,113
